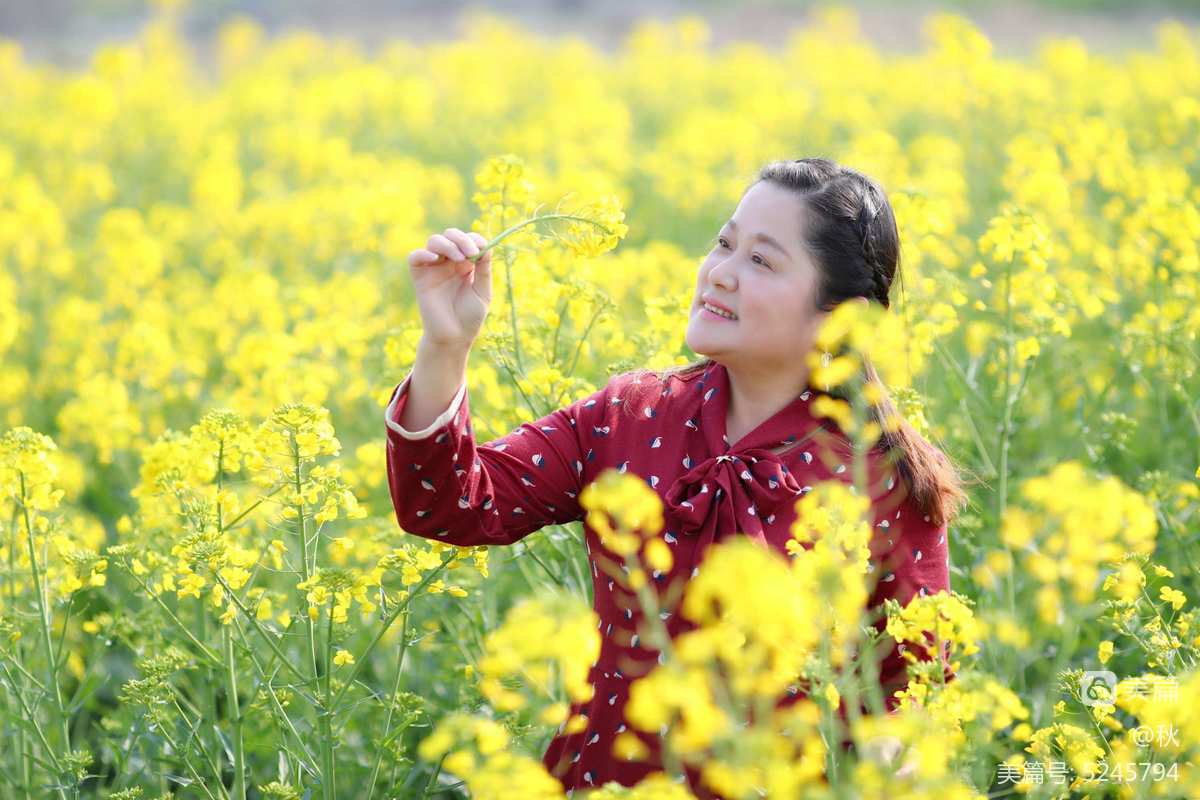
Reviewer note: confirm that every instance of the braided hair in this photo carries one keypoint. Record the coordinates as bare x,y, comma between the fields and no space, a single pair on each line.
866,223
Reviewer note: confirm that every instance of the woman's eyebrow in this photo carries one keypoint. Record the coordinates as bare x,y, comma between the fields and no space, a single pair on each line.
762,237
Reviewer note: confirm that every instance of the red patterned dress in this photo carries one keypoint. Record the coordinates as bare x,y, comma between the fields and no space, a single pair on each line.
447,487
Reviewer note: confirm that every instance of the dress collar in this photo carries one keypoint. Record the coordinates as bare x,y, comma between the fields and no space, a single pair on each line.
786,426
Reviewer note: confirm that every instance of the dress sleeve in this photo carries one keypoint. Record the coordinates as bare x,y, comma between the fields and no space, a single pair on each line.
446,487
914,560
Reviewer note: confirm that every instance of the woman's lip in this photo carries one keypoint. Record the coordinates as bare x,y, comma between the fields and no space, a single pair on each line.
716,316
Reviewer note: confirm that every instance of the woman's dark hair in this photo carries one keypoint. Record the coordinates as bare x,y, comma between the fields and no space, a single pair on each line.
850,230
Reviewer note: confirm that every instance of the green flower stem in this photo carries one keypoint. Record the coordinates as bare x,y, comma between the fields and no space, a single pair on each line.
1183,551
24,768
361,659
209,672
207,654
528,573
302,541
582,584
512,309
557,578
854,712
579,344
514,228
328,767
560,313
44,623
572,565
508,285
517,384
268,683
387,724
870,670
1002,494
327,788
235,717
186,762
830,724
460,638
1005,433
37,728
433,778
256,504
29,677
194,733
957,371
283,659
508,262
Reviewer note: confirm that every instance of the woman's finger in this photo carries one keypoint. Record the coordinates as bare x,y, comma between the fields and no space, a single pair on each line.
422,257
465,244
440,244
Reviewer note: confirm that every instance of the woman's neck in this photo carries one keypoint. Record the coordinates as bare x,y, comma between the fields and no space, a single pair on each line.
755,396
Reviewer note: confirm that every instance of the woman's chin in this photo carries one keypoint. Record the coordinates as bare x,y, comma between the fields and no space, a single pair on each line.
706,349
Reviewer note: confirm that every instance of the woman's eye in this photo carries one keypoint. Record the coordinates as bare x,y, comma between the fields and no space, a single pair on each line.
722,243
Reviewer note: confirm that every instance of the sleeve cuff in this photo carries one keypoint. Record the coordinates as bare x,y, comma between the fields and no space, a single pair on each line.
391,414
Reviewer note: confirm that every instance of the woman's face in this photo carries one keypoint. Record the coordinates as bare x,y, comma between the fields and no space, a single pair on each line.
759,270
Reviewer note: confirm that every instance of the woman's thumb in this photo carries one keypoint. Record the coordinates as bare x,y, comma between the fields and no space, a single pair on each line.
483,271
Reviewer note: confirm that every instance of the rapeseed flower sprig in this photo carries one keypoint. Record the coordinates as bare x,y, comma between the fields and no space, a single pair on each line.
591,228
479,751
1062,742
829,556
413,561
627,516
504,197
920,757
1145,608
973,709
855,333
542,644
942,622
154,691
587,229
1076,524
636,510
750,598
1018,235
655,786
28,496
28,472
1145,721
784,754
729,673
218,558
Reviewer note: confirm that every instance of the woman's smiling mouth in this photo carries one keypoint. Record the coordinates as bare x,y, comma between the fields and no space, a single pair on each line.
716,312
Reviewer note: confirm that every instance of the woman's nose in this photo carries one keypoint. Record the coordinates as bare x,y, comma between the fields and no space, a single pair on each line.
720,276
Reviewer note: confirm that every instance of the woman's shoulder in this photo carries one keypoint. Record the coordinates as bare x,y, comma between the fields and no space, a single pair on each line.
645,388
671,378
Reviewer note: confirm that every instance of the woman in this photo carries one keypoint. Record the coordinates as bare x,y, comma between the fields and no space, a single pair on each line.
729,442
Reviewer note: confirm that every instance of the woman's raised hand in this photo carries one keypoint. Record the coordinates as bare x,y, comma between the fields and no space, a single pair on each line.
453,283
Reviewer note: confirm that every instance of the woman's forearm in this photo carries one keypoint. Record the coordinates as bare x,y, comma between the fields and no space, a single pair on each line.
437,375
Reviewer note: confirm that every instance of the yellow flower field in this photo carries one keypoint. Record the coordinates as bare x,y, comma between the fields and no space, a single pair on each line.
204,310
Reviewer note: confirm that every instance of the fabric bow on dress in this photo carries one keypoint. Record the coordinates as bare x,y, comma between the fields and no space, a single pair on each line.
738,490
731,492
